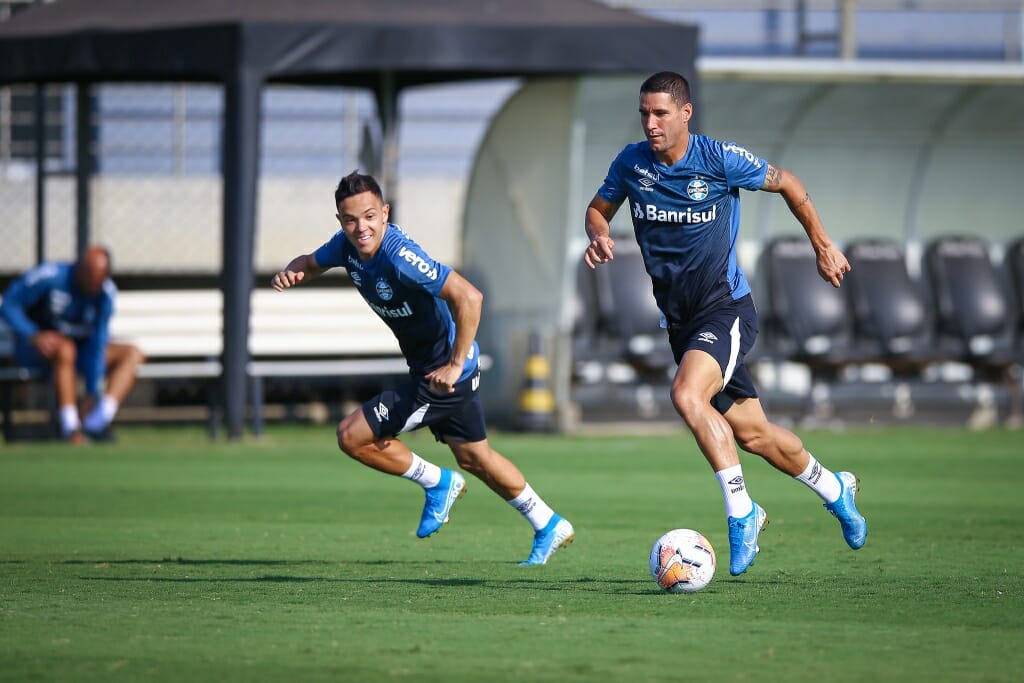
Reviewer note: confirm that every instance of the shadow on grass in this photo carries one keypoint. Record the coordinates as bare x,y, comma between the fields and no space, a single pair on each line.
529,581
212,562
589,585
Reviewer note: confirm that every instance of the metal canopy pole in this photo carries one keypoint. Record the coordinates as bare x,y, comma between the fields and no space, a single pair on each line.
387,111
83,162
241,171
40,125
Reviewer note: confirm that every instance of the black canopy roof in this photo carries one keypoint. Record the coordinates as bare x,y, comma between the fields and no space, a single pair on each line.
348,42
383,45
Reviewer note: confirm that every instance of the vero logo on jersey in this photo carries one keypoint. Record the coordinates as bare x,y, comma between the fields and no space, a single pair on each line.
651,212
736,149
418,262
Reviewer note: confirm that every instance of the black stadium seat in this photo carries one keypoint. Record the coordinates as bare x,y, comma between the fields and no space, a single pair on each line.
975,317
890,313
631,315
1015,261
808,320
974,313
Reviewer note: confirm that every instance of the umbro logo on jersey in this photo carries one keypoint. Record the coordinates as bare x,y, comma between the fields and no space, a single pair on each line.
652,176
381,412
708,337
356,277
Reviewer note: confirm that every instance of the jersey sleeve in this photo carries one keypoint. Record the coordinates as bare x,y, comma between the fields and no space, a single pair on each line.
743,168
22,293
331,253
613,189
415,268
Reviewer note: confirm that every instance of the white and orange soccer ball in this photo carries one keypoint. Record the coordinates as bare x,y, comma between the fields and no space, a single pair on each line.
682,561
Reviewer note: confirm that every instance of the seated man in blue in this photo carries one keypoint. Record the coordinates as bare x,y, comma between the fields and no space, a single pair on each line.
434,312
60,315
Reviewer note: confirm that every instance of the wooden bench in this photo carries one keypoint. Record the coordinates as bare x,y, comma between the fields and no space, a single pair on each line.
304,332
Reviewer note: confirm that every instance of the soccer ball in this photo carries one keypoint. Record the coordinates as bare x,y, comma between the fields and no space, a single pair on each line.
682,561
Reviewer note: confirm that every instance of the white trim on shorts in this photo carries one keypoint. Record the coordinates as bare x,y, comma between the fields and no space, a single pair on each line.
415,419
734,351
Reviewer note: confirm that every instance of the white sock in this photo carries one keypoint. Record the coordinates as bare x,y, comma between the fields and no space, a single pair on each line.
102,414
734,491
69,419
426,474
821,480
533,507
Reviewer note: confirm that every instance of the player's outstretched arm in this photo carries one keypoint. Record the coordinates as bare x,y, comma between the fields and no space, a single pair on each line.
297,270
599,216
466,303
832,264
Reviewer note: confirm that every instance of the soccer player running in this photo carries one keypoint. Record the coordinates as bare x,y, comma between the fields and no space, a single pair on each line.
683,189
434,312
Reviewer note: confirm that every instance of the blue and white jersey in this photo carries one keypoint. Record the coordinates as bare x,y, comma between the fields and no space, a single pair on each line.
686,218
46,298
402,285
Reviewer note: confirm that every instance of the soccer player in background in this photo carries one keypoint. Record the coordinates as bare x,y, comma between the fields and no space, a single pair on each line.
60,315
434,312
683,190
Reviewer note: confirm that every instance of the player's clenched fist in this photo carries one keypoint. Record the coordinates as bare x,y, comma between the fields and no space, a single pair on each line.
285,279
599,251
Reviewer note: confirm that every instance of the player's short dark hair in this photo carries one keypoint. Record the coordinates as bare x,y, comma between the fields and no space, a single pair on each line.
671,83
356,183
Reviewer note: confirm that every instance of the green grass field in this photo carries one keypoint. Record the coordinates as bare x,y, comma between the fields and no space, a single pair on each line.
169,558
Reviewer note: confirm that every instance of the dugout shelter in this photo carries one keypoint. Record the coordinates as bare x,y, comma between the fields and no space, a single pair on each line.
383,45
909,151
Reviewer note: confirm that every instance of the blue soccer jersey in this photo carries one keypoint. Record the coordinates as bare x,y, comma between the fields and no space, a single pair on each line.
46,298
402,285
686,218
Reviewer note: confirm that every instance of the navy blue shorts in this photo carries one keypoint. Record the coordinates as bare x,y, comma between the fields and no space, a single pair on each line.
27,356
411,405
727,333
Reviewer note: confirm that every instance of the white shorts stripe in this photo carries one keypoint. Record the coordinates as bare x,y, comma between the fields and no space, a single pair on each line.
416,418
734,351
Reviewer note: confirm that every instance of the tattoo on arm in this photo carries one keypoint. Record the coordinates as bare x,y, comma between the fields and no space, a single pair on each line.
771,178
807,198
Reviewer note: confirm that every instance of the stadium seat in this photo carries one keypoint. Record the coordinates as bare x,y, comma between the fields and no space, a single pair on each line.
974,313
630,315
588,349
975,322
808,320
891,315
1015,262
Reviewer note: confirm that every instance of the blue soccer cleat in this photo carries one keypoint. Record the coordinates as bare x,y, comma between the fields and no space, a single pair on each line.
558,533
855,528
440,500
743,533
